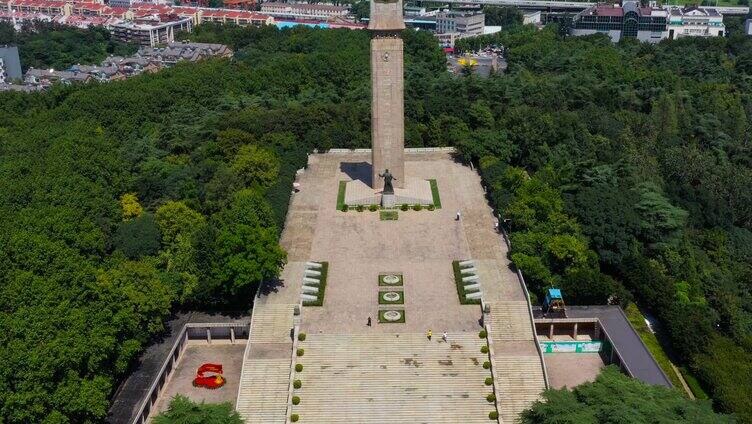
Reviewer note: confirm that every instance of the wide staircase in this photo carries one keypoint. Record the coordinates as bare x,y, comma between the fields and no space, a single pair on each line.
520,382
510,321
272,323
517,365
390,378
265,377
263,391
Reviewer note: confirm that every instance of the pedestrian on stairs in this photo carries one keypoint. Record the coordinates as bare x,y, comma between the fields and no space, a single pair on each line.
369,321
458,216
444,336
429,334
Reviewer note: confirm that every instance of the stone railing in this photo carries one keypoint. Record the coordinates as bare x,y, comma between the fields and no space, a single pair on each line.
521,280
190,331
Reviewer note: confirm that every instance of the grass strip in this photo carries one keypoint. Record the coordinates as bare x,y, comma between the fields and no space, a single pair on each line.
341,195
388,215
435,194
651,342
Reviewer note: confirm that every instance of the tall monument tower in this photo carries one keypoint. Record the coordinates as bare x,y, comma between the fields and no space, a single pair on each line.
387,92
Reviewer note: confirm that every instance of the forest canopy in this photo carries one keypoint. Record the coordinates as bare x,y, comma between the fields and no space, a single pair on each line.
624,171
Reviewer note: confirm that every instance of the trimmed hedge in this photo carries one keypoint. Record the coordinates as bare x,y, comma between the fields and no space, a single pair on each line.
489,381
300,351
294,418
301,337
484,349
297,384
295,400
491,397
298,367
483,334
487,365
493,415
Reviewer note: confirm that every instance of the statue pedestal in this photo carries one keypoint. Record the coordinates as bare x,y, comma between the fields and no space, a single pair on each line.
388,200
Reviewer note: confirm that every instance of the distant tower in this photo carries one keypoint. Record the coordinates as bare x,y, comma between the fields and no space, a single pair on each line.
387,92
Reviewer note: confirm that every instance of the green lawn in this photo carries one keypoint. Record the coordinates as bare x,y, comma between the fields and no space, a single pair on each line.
400,301
638,322
341,195
388,215
383,320
435,194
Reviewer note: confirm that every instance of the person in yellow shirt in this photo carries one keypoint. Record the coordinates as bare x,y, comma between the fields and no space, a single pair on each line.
429,334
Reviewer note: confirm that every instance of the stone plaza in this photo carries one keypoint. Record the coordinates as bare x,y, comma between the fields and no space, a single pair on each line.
390,372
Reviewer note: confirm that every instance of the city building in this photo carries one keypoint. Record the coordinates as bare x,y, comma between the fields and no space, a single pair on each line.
629,20
10,64
463,23
303,10
147,32
46,77
693,21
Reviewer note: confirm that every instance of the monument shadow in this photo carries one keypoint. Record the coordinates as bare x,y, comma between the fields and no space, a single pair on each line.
358,171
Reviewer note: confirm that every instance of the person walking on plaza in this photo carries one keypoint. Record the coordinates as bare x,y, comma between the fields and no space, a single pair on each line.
429,334
369,321
458,216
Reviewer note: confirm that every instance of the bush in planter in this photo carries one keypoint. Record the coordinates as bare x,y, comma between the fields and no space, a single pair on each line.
298,367
489,381
483,334
301,337
431,207
373,208
493,415
300,351
295,400
345,208
484,349
491,397
360,208
297,384
294,418
487,365
417,207
405,207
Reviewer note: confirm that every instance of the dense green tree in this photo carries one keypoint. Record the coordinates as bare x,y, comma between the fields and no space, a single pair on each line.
616,398
183,411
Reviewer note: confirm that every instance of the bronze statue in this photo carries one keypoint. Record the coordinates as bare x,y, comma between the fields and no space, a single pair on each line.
388,177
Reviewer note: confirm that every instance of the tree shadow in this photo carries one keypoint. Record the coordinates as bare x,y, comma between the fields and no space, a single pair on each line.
271,286
358,171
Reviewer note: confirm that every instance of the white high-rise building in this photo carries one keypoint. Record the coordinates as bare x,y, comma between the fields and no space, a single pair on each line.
692,21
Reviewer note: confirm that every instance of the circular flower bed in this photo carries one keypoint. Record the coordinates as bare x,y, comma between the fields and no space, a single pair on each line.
391,279
392,315
391,296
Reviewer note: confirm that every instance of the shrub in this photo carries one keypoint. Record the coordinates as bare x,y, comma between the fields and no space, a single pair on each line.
373,208
360,208
417,207
301,337
487,365
295,400
294,418
345,208
483,334
493,415
297,384
298,367
489,381
300,351
405,207
491,397
431,207
484,349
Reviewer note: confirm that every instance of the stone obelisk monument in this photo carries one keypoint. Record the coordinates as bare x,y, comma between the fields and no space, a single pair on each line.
387,92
